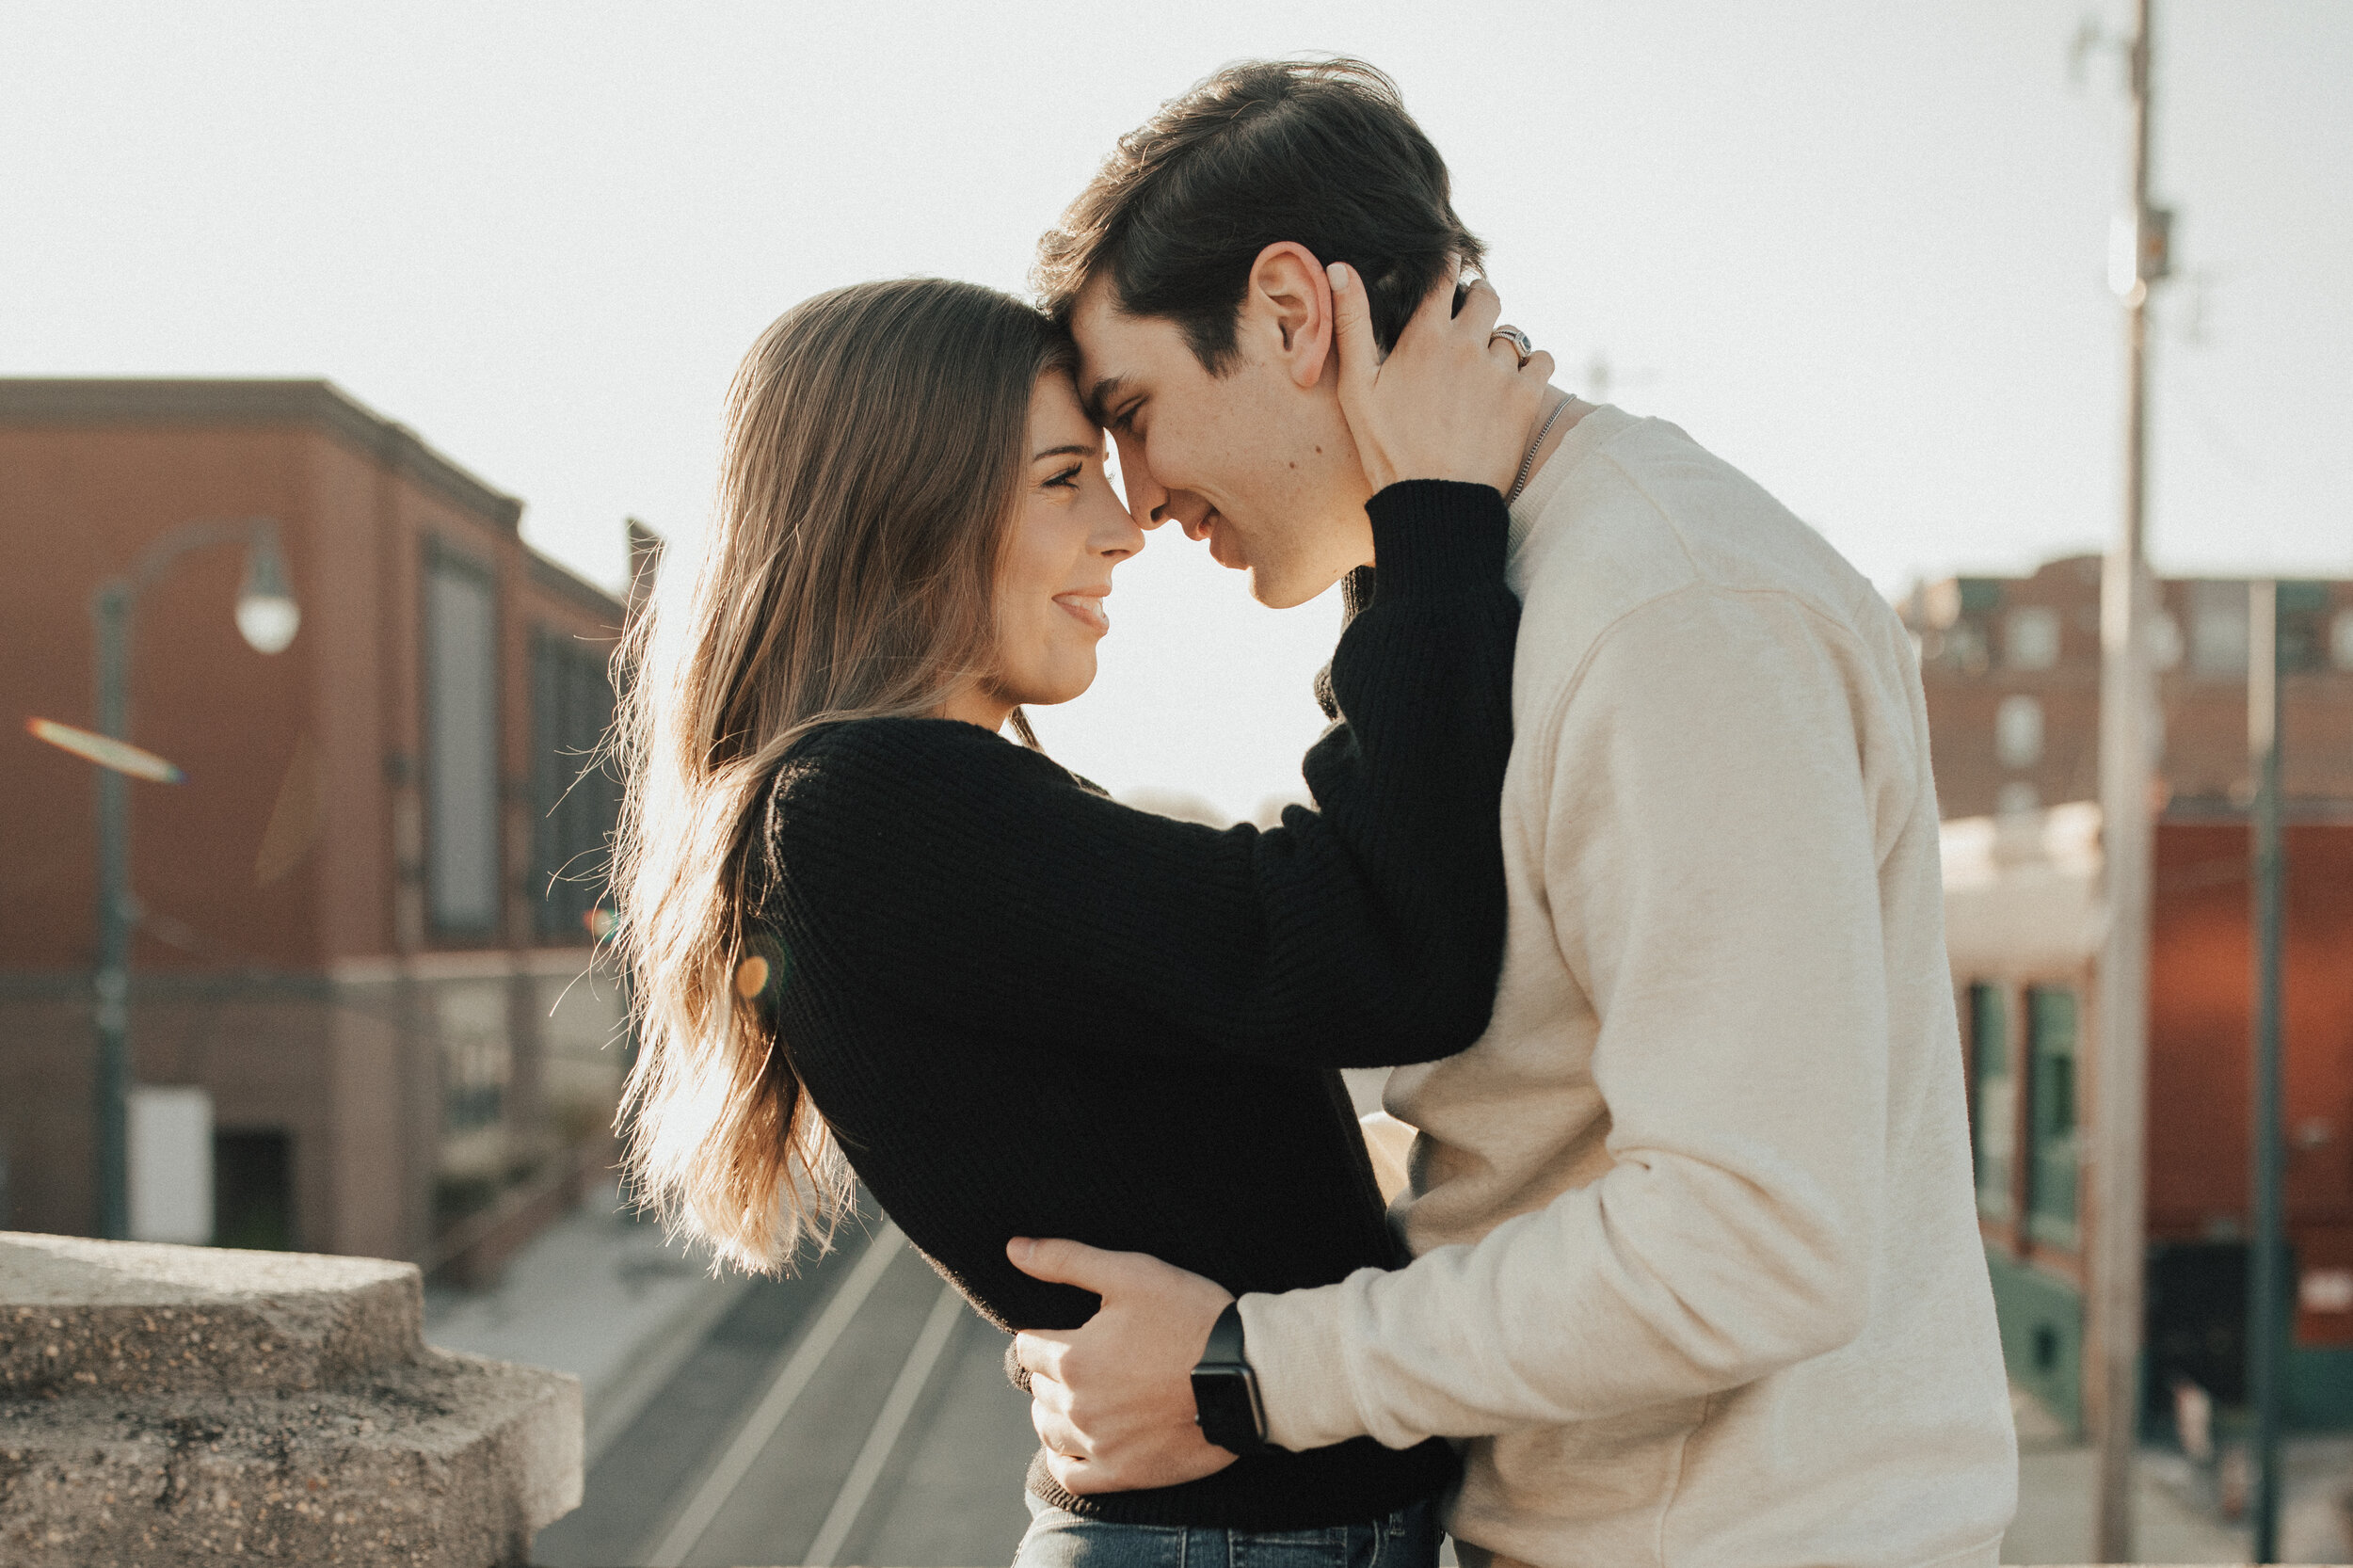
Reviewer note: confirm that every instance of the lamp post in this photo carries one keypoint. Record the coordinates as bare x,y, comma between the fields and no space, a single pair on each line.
268,618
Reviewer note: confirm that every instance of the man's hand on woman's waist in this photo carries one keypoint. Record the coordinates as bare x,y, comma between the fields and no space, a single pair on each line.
1112,1401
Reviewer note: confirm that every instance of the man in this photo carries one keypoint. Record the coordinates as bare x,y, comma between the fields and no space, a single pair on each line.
1696,1273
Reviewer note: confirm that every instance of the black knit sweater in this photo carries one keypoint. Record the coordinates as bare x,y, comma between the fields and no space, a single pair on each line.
1029,1010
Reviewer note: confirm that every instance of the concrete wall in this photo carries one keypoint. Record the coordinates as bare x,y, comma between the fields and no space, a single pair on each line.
168,1405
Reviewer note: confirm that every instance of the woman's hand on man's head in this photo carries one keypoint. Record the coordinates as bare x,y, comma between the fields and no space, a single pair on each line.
1451,400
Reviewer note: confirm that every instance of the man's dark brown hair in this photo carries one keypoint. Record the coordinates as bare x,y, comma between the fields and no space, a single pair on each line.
1320,152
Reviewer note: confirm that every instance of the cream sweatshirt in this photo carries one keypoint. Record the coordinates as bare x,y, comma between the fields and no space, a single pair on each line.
1697,1269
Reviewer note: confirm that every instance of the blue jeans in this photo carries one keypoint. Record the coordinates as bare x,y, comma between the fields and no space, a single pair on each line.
1406,1538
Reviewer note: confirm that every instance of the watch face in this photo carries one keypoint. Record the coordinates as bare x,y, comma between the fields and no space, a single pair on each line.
1226,1399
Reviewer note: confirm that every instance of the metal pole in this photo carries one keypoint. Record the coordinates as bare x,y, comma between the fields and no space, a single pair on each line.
110,615
111,612
2266,1310
2127,757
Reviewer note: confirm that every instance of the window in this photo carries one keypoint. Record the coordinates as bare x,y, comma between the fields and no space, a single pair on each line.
2018,731
2304,630
2217,627
2030,638
577,805
1962,645
2051,1125
2340,640
477,1063
1991,1108
461,775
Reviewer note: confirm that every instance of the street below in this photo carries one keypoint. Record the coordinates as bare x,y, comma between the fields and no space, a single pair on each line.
855,1412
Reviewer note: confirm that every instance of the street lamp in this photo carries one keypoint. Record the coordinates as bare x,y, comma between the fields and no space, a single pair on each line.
268,615
268,618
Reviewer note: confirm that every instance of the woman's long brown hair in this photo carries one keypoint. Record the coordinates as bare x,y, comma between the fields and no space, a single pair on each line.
873,460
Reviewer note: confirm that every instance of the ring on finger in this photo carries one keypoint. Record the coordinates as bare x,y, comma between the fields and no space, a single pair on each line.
1517,339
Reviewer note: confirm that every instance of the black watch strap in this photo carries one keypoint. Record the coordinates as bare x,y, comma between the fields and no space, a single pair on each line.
1225,1391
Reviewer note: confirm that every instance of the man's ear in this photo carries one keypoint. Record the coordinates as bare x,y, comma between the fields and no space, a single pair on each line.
1288,309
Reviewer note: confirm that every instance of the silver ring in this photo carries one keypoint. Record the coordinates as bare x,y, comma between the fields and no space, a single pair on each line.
1517,339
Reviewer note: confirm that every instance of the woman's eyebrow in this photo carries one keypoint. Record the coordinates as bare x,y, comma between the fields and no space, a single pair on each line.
1063,452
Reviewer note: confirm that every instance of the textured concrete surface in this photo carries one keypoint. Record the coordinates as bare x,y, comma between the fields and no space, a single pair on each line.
140,1317
168,1405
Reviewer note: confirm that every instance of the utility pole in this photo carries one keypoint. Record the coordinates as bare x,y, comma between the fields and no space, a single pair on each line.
2267,1303
2127,755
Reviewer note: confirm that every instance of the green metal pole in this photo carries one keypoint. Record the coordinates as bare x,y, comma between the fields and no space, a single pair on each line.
111,617
2268,1319
111,612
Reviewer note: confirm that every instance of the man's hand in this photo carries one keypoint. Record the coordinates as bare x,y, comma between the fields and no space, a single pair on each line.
1112,1401
1450,401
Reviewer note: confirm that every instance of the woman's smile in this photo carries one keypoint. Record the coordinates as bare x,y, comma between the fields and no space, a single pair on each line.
1085,606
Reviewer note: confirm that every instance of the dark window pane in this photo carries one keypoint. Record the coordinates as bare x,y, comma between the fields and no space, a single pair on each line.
578,799
461,746
1990,1100
2051,1046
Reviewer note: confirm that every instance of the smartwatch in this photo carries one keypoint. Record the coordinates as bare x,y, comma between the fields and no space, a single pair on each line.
1226,1391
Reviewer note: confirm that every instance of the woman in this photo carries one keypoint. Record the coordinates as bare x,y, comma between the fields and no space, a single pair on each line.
858,917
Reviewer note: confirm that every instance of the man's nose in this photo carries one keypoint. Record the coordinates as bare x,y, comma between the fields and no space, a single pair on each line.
1148,501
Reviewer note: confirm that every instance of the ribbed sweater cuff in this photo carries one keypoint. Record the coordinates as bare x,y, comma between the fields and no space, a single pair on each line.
1293,1341
1437,537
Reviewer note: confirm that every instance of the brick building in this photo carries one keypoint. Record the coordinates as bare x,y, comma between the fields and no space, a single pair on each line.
2012,669
352,932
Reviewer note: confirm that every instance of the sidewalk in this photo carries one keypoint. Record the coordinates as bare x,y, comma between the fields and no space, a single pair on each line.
596,1294
2172,1524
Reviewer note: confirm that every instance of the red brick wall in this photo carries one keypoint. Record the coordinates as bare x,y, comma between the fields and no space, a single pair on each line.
80,504
2201,1053
79,507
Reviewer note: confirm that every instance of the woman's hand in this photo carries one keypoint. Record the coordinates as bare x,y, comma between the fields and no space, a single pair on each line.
1450,402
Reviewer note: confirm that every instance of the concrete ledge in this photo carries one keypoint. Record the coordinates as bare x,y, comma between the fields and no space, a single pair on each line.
452,1460
137,1317
172,1405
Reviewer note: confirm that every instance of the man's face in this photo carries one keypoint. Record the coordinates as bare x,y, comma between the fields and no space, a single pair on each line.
1257,462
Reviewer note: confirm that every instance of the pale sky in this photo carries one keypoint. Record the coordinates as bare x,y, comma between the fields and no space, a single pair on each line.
1856,247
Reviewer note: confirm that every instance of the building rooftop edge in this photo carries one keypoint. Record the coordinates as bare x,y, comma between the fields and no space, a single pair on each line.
270,400
554,574
251,400
2333,574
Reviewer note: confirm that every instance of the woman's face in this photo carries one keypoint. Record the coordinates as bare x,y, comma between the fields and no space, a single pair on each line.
1056,566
